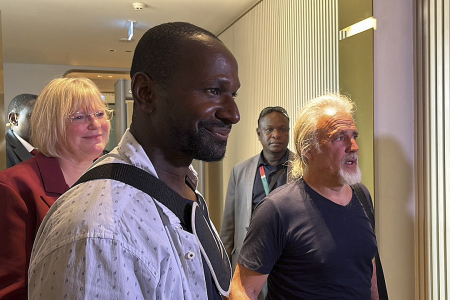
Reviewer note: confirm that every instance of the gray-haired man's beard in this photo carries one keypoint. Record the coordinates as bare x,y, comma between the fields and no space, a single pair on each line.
350,178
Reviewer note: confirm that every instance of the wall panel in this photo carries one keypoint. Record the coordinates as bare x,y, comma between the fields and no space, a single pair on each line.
433,146
287,52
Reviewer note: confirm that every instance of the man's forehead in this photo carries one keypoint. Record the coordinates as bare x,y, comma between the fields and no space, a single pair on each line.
336,121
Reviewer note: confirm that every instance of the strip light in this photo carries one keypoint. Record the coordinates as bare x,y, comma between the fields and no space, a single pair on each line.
359,27
130,26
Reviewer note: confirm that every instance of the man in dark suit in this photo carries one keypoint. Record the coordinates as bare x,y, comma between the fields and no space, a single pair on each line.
18,147
254,178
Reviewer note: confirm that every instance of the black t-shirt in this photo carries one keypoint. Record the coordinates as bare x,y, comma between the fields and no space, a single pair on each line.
211,288
312,247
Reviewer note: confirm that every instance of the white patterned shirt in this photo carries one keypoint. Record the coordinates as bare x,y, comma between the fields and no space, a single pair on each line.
104,239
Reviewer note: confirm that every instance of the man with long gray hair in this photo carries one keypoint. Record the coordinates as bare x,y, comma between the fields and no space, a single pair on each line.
313,238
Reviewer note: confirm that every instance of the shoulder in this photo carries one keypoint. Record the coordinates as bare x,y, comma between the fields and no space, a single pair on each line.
26,171
286,195
252,161
10,136
364,189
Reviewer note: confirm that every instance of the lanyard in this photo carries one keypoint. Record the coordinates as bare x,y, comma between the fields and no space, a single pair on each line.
268,188
264,180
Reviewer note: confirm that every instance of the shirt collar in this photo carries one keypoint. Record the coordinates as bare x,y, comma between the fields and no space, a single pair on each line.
283,161
24,143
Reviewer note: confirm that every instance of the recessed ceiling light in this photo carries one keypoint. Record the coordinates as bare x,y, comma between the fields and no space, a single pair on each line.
110,76
112,50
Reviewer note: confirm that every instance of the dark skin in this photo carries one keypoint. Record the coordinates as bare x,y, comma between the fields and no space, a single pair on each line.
20,121
202,90
273,133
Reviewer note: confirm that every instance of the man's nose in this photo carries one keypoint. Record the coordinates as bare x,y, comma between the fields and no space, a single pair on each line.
353,146
229,112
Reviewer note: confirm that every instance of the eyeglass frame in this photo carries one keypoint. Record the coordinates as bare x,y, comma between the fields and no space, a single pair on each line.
109,114
271,109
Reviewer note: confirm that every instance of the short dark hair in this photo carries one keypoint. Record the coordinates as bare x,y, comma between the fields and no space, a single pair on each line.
19,102
271,109
156,52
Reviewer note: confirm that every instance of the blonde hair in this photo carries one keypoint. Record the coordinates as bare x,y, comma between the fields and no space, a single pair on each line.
306,127
57,101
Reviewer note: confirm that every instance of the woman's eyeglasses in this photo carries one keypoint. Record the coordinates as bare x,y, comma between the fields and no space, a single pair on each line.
81,117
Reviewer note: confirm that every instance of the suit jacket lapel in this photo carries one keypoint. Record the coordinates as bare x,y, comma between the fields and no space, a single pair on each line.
52,177
20,151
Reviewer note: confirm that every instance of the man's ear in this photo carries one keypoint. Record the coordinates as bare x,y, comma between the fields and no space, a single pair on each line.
142,89
13,117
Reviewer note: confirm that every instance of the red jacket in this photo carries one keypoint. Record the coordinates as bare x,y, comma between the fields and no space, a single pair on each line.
27,191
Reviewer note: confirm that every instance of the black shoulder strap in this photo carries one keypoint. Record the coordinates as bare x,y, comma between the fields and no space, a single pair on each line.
212,249
361,195
138,179
365,203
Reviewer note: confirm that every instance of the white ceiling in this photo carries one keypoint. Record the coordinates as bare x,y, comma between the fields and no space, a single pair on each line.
82,32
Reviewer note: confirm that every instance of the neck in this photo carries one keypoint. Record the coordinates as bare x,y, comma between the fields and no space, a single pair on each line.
171,166
174,175
273,159
73,169
332,190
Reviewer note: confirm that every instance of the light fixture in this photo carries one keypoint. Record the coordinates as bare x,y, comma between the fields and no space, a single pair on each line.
359,27
130,27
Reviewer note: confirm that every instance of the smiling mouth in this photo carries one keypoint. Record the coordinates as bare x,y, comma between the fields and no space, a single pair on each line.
93,136
221,133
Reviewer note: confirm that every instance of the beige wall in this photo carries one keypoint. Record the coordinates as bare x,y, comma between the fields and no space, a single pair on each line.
394,143
432,165
287,54
32,78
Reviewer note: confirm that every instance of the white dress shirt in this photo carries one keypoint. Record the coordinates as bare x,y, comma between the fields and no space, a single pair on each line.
107,240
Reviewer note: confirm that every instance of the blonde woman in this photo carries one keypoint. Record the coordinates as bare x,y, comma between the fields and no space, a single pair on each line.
70,126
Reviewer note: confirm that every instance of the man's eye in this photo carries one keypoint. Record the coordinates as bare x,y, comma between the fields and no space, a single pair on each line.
340,138
234,95
214,91
268,130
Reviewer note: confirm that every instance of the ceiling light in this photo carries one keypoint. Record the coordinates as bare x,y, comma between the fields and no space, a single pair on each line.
130,26
359,27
